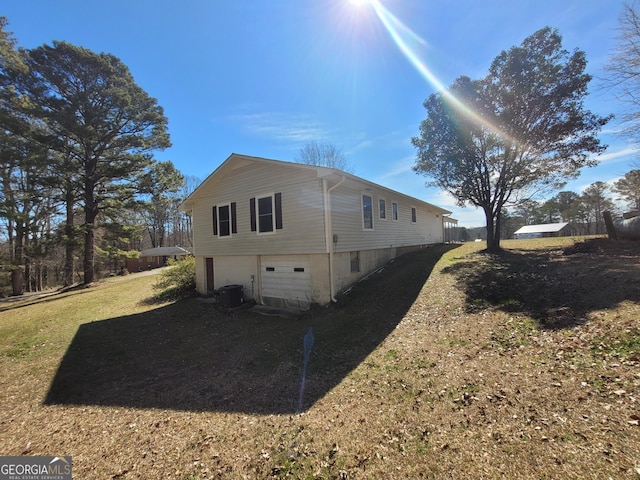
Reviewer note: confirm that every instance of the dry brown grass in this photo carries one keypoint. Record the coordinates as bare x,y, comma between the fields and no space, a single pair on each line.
521,365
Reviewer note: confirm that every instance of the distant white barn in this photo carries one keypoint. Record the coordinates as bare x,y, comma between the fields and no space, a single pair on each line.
543,230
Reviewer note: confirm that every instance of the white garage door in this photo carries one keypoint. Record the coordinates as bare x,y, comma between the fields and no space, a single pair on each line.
286,281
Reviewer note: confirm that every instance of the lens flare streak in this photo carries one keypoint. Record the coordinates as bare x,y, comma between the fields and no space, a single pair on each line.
409,43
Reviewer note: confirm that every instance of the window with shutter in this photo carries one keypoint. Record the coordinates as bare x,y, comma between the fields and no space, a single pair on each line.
266,213
224,220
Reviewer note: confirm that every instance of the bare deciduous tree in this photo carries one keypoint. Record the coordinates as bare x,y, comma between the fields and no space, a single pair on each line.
624,69
324,155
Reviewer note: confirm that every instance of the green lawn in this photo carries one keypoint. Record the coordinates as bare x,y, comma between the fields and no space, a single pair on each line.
450,363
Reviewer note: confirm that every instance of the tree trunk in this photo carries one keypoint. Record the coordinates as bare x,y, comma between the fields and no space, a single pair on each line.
88,263
27,262
90,215
28,275
38,275
608,221
17,282
161,235
152,236
70,243
493,231
497,232
17,276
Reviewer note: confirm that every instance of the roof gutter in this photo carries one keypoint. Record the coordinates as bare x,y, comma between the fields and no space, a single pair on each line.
329,231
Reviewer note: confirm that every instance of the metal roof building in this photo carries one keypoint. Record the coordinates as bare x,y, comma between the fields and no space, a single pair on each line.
543,230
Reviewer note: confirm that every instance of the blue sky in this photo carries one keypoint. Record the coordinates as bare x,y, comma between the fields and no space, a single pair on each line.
265,77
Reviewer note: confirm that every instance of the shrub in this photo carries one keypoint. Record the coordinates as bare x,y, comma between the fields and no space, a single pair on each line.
179,280
5,283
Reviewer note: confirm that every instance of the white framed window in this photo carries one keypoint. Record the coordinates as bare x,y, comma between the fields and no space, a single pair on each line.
382,209
224,219
414,215
394,211
266,213
367,212
264,208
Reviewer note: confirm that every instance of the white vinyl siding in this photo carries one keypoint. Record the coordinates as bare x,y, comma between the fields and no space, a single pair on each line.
302,213
347,219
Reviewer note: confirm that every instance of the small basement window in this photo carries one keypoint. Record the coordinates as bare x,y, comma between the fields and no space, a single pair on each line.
355,262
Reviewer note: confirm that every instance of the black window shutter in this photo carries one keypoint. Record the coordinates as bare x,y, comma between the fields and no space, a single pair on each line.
252,209
215,220
234,226
278,206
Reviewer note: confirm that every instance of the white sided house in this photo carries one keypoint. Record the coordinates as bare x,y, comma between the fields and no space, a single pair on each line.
294,234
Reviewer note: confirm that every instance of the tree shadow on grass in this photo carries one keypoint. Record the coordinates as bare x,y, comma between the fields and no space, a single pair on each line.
193,356
555,287
13,303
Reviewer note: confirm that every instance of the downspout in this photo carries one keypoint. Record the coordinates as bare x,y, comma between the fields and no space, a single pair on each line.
329,231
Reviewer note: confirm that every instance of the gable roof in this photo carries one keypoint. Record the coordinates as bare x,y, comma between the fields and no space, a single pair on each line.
541,228
236,160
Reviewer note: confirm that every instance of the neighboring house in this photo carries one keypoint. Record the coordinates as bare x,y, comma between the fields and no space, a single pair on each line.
543,230
155,257
294,234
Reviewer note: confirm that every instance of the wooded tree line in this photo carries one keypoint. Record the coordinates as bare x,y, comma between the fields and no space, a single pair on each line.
583,211
79,177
